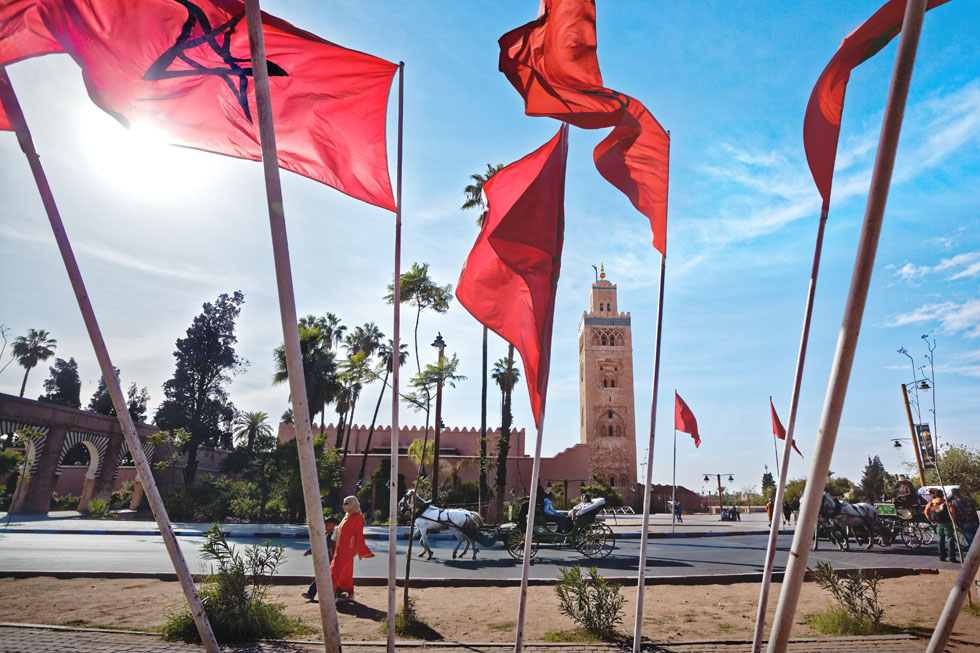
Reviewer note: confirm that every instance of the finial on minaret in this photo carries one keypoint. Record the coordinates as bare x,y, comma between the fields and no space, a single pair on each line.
602,271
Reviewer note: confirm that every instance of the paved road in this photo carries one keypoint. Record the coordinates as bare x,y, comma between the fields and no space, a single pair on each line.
681,557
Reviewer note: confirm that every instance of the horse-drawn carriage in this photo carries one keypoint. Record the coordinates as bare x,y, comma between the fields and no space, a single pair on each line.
591,538
908,523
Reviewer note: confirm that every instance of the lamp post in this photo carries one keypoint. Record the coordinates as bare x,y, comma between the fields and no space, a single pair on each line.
439,344
721,498
897,443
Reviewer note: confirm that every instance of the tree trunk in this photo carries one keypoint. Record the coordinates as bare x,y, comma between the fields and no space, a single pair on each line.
503,445
23,386
367,445
483,429
190,472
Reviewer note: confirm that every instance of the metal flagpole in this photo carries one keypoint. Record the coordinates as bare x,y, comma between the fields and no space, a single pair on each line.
290,330
12,108
644,535
673,492
850,326
954,604
760,617
396,359
529,534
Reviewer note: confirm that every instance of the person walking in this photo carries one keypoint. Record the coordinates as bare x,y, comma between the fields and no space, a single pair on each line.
787,512
350,542
965,510
330,523
939,512
795,507
769,511
679,512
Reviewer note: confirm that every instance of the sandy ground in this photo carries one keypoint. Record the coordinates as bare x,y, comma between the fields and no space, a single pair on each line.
481,615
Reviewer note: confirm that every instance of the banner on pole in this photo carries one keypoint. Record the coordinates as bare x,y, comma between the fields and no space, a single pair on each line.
923,440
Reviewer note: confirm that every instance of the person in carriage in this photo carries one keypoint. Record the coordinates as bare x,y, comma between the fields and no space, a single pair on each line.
904,497
558,516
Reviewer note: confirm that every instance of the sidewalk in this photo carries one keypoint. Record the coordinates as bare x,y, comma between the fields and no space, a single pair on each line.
624,526
26,638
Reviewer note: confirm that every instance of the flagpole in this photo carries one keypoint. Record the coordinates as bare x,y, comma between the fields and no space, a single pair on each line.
673,492
957,596
760,616
290,329
529,533
850,326
16,117
644,534
396,359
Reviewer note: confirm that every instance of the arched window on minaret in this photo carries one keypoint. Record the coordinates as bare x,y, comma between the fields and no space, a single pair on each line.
610,431
612,340
605,383
612,383
612,480
603,340
610,414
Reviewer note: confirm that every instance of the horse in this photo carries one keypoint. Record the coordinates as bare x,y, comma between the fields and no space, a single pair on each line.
846,515
464,525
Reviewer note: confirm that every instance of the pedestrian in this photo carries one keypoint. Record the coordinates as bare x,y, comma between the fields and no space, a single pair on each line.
795,506
965,510
330,523
679,512
787,512
769,511
350,542
941,515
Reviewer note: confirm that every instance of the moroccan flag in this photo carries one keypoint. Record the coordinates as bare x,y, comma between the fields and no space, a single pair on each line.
552,63
184,65
777,427
684,420
821,126
510,278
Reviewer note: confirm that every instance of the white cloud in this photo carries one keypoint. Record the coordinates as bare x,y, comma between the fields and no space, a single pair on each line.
953,317
961,266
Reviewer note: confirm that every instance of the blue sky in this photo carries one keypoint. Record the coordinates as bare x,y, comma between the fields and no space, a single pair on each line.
158,230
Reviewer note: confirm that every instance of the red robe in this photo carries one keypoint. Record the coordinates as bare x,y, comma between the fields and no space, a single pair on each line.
349,543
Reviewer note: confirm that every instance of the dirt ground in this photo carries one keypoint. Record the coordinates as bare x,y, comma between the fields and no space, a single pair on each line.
482,614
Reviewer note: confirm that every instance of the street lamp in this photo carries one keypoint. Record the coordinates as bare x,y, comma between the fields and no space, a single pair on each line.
439,344
731,478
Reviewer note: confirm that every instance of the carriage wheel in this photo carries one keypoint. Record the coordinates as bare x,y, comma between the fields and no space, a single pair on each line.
911,535
595,541
515,544
926,534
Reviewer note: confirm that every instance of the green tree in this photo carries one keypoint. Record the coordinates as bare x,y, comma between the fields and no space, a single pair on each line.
599,488
475,200
196,397
136,400
260,462
287,416
36,347
420,291
959,464
873,480
319,366
250,427
64,386
506,376
386,355
768,484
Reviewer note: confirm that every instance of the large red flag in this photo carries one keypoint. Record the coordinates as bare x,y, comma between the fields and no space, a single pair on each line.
777,427
821,126
511,275
552,63
185,66
684,420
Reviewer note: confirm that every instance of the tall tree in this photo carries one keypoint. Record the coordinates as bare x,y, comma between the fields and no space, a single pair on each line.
36,347
361,346
419,290
250,427
196,397
386,354
64,386
873,480
767,483
319,366
476,200
262,461
506,376
137,400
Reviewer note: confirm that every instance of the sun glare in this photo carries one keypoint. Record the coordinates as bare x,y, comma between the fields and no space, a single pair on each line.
139,160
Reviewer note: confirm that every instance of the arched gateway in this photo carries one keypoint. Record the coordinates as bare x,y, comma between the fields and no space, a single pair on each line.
58,430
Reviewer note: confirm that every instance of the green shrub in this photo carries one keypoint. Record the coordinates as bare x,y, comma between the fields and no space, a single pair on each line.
466,494
408,624
235,596
857,612
591,602
122,497
97,509
66,502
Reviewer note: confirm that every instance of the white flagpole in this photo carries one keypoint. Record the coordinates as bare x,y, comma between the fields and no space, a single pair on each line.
396,354
529,535
957,596
12,108
644,535
673,492
850,327
760,616
290,330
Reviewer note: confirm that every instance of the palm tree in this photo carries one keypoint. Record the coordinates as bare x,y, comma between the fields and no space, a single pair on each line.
419,290
250,427
29,350
386,354
361,345
319,368
356,371
506,376
475,200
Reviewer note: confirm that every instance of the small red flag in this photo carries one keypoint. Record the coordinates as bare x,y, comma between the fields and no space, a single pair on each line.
684,420
511,275
821,125
185,66
777,427
552,63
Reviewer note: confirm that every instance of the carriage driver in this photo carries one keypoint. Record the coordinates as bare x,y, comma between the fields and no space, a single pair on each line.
903,493
559,516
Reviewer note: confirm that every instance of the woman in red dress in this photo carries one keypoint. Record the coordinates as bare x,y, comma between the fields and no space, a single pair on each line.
349,539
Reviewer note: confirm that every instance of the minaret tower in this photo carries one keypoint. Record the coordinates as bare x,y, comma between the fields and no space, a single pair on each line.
607,419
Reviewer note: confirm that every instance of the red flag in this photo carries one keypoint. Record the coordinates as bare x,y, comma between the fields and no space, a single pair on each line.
552,63
510,277
185,66
777,427
821,126
684,420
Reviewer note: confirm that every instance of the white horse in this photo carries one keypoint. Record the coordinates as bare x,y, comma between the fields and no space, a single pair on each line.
846,515
464,525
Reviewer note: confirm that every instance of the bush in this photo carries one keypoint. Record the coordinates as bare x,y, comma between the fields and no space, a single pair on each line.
466,494
235,596
121,498
66,502
857,612
408,624
97,509
591,602
600,488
